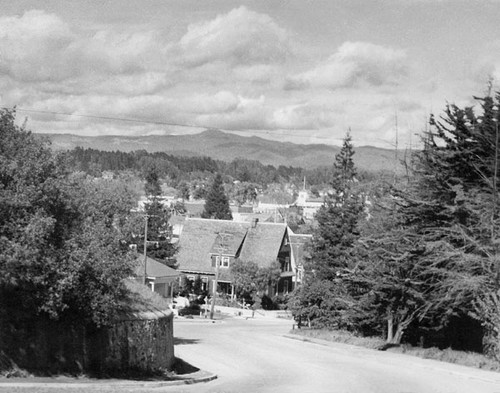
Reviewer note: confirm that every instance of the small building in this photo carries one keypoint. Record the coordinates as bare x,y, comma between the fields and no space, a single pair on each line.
309,206
159,277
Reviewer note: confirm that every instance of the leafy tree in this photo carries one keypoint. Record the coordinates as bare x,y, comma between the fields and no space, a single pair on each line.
320,303
60,254
152,186
184,192
244,279
245,192
251,281
217,204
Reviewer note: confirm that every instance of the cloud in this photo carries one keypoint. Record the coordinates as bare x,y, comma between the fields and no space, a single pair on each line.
40,47
303,116
240,37
354,64
28,44
248,114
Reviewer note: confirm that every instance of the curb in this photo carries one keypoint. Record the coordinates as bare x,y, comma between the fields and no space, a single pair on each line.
189,379
494,378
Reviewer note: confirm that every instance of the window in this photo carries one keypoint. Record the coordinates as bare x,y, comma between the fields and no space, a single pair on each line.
286,266
216,259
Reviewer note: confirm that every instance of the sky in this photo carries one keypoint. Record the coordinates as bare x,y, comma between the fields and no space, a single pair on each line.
301,71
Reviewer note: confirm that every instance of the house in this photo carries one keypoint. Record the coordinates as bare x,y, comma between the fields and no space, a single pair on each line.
194,208
204,243
159,277
298,244
308,205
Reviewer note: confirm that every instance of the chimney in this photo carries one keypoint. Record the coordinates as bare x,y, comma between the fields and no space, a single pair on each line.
255,221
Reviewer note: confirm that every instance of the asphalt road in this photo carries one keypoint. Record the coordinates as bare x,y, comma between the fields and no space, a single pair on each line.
254,356
257,356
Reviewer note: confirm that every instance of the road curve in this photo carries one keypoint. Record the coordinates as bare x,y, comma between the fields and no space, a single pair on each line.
255,356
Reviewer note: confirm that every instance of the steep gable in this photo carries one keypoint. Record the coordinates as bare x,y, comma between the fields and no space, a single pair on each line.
263,243
199,240
298,243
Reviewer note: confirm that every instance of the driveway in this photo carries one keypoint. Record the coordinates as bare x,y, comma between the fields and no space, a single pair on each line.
254,356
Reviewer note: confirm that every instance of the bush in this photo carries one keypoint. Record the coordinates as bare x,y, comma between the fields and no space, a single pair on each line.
192,309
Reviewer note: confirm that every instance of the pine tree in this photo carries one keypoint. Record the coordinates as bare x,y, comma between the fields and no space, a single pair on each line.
344,170
160,245
337,218
331,252
152,186
217,204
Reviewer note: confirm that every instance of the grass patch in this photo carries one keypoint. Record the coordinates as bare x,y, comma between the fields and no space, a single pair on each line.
469,359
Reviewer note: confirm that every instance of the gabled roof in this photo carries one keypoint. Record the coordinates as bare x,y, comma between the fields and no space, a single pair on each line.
199,240
194,209
298,243
155,269
262,243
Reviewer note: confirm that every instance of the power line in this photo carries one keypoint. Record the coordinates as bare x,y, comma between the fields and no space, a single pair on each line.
184,125
164,123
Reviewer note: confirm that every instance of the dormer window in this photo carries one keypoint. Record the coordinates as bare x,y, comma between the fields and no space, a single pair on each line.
224,263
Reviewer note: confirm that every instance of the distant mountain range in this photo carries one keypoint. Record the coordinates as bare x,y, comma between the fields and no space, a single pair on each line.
225,146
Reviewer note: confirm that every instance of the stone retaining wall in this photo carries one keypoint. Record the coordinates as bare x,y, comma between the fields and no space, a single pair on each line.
141,342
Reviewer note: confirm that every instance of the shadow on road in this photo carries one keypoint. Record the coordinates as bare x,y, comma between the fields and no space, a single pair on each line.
185,341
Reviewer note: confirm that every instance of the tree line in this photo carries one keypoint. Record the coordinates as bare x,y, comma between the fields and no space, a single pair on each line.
419,262
183,169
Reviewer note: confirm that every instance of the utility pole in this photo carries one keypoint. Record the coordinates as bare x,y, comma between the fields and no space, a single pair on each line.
221,249
146,217
145,248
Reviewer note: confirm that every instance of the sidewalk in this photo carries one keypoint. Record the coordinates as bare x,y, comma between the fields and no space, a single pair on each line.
66,383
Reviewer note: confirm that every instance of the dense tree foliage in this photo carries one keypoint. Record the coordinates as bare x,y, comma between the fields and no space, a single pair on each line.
217,203
425,263
251,282
60,252
324,299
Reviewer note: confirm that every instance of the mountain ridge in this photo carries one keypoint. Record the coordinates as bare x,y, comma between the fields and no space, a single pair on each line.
227,147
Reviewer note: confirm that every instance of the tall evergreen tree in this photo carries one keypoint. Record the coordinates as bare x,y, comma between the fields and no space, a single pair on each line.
338,218
160,246
216,202
344,170
324,298
152,186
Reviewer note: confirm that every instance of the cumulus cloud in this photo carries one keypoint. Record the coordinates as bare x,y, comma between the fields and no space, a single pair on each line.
38,46
240,37
354,64
28,44
224,72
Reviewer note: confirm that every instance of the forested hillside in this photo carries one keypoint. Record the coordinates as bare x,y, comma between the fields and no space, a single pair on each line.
228,147
176,169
